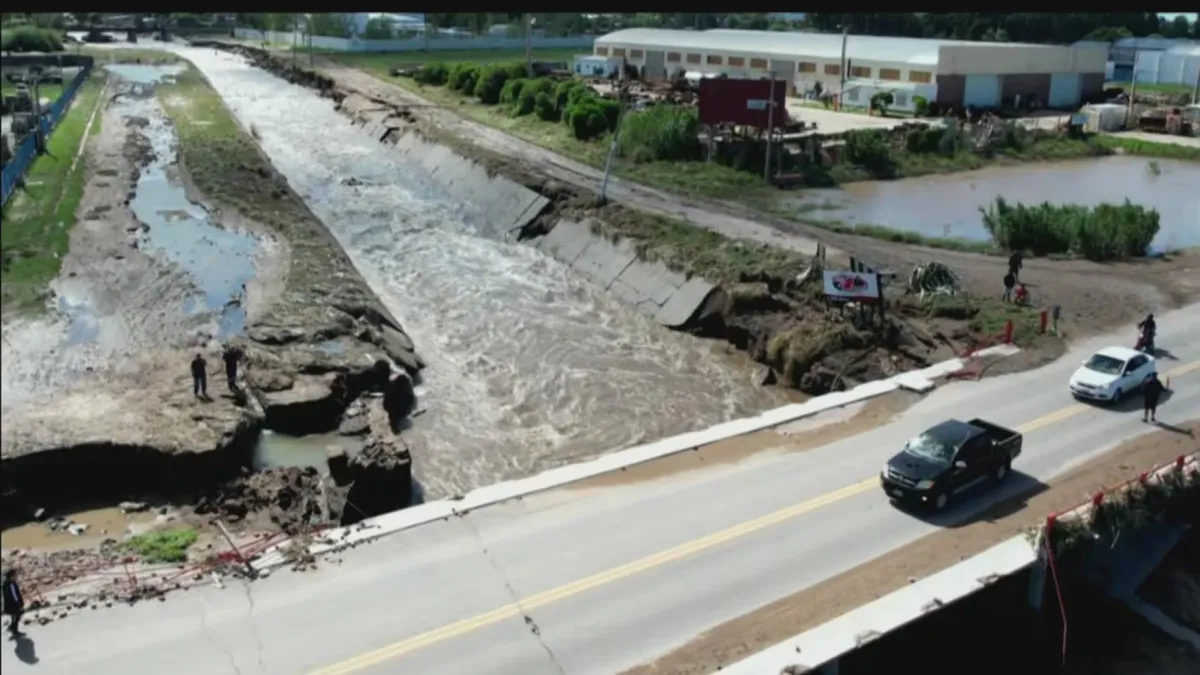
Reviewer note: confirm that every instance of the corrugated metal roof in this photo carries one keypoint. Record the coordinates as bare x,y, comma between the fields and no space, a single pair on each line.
790,44
1192,49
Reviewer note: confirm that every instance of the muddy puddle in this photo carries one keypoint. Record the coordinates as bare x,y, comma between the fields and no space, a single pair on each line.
83,529
948,205
279,450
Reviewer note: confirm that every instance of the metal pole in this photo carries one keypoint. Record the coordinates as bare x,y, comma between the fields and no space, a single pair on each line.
529,43
295,38
1196,87
770,127
1132,90
842,67
612,149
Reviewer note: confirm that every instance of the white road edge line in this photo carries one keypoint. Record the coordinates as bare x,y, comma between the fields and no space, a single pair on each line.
396,521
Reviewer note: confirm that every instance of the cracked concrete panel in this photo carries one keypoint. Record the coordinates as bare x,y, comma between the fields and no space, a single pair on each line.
603,262
626,293
653,280
683,305
566,241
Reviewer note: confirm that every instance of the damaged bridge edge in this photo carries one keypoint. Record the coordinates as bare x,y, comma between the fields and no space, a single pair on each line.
379,526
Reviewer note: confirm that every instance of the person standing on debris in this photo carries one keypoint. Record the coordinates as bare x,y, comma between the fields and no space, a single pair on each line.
233,355
1014,265
1151,391
199,377
1010,280
14,602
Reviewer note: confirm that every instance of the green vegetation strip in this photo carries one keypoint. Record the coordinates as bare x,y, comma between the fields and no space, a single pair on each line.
166,546
38,221
1104,232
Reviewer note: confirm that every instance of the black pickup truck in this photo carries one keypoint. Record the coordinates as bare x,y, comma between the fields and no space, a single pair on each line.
949,459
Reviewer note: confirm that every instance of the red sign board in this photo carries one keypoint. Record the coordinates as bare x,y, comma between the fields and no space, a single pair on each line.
742,102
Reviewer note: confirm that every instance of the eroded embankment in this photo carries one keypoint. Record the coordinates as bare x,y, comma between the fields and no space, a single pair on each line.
174,256
686,278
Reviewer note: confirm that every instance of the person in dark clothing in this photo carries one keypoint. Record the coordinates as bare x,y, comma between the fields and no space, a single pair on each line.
233,355
14,602
1148,328
1014,265
1010,280
1151,391
200,376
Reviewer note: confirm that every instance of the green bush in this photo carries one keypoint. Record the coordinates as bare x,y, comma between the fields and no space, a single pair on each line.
586,120
663,132
545,108
570,91
921,107
463,77
527,100
868,148
516,70
30,39
167,546
1105,232
491,84
511,91
435,74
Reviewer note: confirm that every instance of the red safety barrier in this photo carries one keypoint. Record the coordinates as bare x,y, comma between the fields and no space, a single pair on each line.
1008,332
1043,319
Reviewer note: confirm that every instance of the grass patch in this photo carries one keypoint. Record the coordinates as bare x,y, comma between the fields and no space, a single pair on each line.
38,221
695,251
987,316
379,64
1143,148
126,55
1146,87
167,546
45,90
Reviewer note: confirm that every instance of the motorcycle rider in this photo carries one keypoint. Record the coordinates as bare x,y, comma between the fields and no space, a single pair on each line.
1148,328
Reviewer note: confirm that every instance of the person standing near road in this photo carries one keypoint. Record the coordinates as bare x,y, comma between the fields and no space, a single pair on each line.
199,377
14,602
1014,265
233,355
1151,391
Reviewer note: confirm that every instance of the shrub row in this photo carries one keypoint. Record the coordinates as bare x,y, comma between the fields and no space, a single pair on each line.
30,39
1104,232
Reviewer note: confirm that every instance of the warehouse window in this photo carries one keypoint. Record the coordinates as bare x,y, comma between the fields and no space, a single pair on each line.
889,73
601,51
693,58
713,60
899,99
860,71
923,76
673,57
833,69
637,54
619,52
737,61
806,67
761,64
851,95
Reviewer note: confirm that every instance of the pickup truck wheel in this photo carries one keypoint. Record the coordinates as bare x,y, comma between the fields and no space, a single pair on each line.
1002,472
940,501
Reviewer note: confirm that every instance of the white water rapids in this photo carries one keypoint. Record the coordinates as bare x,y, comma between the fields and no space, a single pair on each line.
528,366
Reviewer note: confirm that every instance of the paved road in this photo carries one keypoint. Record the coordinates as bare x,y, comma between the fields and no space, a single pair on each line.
608,577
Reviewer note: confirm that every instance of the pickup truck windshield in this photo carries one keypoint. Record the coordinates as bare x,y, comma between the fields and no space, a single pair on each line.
929,448
1105,364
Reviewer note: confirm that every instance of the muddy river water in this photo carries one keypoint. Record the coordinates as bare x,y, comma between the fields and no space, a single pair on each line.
948,205
528,366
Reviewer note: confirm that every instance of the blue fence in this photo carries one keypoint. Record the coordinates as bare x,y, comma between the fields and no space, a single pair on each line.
25,153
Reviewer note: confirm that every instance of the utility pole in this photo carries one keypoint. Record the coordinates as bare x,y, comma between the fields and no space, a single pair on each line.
1196,86
529,43
770,127
612,149
295,37
842,67
1132,90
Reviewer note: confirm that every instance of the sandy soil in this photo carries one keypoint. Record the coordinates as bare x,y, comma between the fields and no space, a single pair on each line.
773,623
1094,297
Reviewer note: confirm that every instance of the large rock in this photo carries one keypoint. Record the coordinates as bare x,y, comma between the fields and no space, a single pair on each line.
308,407
381,473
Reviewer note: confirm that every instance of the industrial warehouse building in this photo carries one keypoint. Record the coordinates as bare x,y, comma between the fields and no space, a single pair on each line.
950,72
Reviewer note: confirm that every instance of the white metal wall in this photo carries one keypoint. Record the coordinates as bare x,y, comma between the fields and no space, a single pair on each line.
1065,90
1020,59
1168,68
982,91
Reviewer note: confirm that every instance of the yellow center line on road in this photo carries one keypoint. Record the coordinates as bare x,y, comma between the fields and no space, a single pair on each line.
536,600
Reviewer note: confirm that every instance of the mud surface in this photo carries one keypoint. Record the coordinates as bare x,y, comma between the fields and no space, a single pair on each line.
98,397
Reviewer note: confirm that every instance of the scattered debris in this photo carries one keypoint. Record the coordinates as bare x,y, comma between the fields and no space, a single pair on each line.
933,278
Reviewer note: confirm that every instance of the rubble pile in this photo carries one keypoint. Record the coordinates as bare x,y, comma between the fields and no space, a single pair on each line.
289,496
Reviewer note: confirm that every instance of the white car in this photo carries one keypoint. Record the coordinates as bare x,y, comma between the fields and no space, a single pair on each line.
1111,373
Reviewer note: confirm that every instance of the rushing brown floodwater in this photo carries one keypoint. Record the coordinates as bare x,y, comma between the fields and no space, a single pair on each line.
948,205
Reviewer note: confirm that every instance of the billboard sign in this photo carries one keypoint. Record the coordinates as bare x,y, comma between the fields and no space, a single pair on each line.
742,102
857,286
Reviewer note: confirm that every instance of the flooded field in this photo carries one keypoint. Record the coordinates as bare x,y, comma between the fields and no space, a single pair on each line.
948,205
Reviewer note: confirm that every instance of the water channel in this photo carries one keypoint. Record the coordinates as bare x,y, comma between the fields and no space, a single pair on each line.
948,205
529,367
